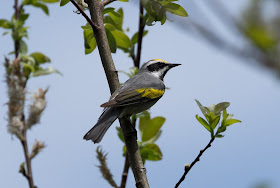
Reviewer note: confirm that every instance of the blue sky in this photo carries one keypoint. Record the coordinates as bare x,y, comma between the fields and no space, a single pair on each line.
248,154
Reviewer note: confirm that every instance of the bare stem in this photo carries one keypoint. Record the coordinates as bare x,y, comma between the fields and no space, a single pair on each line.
141,27
125,172
17,12
188,167
106,2
93,25
29,175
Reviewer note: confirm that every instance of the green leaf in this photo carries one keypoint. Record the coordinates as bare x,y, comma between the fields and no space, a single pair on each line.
29,2
23,17
153,139
225,114
120,134
203,122
111,40
219,136
151,152
117,19
122,39
5,24
107,10
202,108
220,107
124,150
163,20
89,41
109,26
231,121
22,47
50,1
150,20
46,71
152,128
40,58
221,129
64,2
42,6
134,38
144,121
27,69
176,9
5,33
123,0
22,169
214,122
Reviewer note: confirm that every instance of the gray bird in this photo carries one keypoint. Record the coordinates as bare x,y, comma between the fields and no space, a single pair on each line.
137,94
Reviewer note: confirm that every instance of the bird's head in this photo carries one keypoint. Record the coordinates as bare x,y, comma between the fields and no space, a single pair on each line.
157,67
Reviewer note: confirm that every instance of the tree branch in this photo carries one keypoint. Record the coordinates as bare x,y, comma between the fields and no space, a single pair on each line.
125,172
135,160
93,25
141,27
16,42
188,167
29,175
106,2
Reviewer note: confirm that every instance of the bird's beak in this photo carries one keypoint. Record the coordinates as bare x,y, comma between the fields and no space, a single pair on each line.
173,65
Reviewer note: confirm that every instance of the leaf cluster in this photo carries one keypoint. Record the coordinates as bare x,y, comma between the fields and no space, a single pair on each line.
149,133
32,63
113,23
215,114
157,9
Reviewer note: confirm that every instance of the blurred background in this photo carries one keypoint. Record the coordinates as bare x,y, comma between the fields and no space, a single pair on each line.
229,51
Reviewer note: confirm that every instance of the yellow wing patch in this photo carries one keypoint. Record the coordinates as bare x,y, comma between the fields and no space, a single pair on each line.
160,60
150,92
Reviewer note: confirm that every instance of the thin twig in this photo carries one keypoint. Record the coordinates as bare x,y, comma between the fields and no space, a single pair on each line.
126,163
125,172
93,25
106,2
16,42
29,175
141,27
188,167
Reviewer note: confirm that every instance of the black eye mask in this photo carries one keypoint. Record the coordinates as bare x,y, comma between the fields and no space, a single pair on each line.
156,66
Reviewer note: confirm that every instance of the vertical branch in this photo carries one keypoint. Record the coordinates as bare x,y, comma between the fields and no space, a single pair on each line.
16,42
16,83
136,61
125,172
134,157
29,175
141,27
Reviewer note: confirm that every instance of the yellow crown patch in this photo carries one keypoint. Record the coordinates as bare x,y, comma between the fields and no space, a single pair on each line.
160,60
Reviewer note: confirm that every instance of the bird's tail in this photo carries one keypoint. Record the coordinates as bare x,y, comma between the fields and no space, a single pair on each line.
104,122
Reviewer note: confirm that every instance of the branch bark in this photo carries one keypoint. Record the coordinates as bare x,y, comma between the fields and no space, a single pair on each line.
92,24
106,2
189,167
29,175
125,172
134,157
16,91
141,27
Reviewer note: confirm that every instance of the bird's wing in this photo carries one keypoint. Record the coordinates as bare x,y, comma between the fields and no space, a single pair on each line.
134,96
